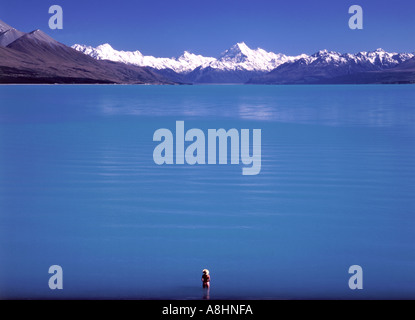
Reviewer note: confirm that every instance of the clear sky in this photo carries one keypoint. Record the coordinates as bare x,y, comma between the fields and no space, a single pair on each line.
168,27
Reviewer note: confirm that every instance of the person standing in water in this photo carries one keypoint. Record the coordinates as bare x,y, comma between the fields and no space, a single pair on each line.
206,283
206,279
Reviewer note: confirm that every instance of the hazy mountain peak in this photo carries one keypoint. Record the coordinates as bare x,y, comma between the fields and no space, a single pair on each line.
9,36
4,26
39,35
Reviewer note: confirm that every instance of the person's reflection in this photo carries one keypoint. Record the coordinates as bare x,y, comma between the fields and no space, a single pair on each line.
206,295
206,284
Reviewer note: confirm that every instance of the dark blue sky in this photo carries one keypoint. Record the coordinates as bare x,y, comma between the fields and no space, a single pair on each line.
168,27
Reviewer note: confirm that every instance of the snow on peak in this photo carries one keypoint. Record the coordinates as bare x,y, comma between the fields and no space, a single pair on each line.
241,57
237,53
240,48
183,64
237,57
327,54
377,59
242,45
105,46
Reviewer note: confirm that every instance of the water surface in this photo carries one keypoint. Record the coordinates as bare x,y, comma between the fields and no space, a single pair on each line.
79,188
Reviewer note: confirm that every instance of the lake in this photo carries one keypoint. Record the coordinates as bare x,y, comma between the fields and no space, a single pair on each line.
79,188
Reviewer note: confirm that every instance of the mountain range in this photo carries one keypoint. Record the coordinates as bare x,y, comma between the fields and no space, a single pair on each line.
241,64
35,57
332,67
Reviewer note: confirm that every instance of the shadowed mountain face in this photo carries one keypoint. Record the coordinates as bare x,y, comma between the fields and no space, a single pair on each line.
37,58
8,34
407,66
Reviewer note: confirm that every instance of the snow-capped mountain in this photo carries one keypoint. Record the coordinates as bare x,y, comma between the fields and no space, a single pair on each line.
378,58
240,63
238,57
325,66
241,57
35,57
185,63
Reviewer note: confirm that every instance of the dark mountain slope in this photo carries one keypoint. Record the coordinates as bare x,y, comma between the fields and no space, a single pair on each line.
404,73
37,58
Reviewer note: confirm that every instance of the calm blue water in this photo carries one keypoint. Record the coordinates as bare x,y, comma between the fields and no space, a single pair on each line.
79,188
